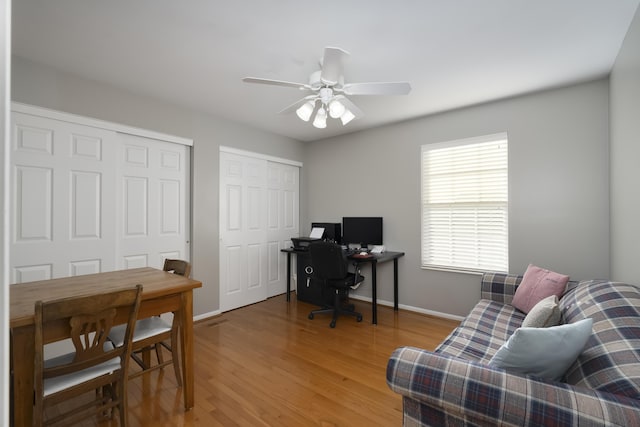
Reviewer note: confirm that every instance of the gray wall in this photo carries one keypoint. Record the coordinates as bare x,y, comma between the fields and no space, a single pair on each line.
46,87
625,154
559,177
558,185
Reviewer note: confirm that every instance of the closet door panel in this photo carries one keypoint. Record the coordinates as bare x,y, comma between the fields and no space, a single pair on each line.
135,211
242,231
62,183
153,208
283,189
169,221
86,200
33,198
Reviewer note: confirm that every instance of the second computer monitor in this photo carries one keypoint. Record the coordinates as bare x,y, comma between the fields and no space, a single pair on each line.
362,230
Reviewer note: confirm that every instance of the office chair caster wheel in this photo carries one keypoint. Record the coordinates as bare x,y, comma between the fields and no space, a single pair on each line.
332,324
359,319
310,316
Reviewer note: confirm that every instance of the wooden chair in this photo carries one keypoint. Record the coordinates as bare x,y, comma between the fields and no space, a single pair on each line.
153,332
177,266
95,366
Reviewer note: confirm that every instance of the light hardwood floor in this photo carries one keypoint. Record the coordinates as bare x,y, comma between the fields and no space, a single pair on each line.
268,365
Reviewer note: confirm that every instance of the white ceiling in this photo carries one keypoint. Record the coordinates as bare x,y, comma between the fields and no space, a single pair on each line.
194,53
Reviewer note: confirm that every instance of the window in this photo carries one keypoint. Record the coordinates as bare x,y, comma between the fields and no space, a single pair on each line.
465,204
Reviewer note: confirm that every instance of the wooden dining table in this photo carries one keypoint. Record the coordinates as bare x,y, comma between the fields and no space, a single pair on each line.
162,293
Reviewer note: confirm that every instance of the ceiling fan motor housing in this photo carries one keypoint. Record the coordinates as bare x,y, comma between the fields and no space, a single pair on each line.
326,95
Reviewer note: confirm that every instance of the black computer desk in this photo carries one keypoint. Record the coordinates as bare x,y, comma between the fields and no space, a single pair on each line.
372,259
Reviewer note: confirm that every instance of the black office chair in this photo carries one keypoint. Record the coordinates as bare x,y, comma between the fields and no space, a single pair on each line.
330,266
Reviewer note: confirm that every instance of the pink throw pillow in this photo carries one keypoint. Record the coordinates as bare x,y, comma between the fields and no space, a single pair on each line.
537,284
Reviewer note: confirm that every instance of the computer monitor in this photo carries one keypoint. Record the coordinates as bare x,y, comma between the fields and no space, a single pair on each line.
362,230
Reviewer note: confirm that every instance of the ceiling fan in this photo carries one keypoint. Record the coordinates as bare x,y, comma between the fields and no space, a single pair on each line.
328,91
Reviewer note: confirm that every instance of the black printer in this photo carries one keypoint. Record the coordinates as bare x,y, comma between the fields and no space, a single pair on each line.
302,243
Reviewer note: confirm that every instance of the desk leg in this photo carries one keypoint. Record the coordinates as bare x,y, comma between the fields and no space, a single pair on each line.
288,276
395,284
186,341
23,354
374,293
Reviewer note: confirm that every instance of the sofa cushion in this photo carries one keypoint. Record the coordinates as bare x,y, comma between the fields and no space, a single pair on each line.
544,314
610,360
543,352
538,283
482,332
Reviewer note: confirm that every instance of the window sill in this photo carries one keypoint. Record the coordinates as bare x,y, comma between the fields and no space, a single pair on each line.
457,270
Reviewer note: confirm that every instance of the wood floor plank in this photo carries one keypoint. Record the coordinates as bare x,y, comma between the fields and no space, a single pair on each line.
269,365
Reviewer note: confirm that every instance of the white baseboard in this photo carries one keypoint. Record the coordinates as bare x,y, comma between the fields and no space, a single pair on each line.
362,298
206,315
410,308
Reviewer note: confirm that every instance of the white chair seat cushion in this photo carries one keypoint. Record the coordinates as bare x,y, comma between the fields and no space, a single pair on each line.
54,385
145,328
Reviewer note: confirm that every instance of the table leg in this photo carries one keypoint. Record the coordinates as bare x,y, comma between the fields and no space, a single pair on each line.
395,284
374,293
186,341
22,354
288,276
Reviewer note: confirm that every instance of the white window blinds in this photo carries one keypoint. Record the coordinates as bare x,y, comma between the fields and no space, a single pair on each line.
465,204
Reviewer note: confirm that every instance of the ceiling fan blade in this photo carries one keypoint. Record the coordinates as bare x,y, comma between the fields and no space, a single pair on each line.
350,106
300,86
297,104
382,88
332,65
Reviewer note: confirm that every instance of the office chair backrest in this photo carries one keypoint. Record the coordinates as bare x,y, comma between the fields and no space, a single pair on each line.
328,260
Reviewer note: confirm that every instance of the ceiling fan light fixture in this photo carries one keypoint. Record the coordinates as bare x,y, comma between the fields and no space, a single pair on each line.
336,109
347,117
305,110
330,92
321,119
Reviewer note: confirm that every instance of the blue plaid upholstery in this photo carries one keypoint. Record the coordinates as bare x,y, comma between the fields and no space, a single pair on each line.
611,359
454,386
441,390
499,287
482,332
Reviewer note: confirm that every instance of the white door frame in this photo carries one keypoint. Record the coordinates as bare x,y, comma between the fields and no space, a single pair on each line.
5,167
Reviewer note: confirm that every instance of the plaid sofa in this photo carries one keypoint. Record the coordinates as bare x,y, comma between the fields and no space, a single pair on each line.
454,386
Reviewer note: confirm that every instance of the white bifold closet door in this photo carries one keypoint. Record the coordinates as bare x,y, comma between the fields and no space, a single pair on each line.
86,199
259,208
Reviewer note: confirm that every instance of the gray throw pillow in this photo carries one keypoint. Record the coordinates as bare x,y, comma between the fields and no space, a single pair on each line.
543,352
544,314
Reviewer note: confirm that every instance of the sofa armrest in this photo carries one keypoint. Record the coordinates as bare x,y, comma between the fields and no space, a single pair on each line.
482,394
